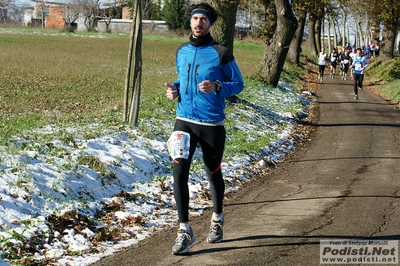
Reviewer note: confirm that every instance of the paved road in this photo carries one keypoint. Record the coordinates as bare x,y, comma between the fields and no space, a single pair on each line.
343,184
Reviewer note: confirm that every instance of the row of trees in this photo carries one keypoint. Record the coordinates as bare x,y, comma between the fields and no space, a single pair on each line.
283,24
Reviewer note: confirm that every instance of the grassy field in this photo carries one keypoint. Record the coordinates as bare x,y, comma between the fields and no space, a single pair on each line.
49,76
61,123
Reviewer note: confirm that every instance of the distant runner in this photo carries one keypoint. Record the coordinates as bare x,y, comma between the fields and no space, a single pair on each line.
321,64
359,64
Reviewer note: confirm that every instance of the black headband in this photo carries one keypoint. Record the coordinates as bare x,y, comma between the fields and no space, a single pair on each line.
203,11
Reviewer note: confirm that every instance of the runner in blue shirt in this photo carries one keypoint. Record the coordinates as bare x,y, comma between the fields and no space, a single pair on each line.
207,75
358,65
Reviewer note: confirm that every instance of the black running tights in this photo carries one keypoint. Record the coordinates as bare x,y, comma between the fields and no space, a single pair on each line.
212,143
358,81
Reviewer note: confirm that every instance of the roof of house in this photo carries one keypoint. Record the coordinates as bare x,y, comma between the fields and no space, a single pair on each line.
102,3
53,1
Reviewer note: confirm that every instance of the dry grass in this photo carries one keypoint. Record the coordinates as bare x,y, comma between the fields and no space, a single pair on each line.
47,78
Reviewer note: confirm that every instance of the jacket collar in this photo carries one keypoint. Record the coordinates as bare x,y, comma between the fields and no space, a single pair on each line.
203,41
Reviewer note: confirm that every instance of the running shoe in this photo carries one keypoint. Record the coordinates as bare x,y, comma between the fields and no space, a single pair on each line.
216,232
183,241
356,98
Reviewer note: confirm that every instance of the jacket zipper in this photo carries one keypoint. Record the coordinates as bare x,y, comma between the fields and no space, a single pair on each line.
188,78
194,80
195,76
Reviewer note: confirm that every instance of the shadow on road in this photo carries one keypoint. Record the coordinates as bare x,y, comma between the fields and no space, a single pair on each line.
303,241
314,198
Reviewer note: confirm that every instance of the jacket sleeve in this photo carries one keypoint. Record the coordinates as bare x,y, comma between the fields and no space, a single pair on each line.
233,80
176,83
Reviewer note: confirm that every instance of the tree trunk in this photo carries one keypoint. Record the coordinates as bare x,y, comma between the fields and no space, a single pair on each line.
328,35
344,21
319,30
358,34
388,40
335,35
277,48
295,45
312,44
368,34
223,30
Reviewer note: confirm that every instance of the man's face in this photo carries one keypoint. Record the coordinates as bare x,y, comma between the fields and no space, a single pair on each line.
200,25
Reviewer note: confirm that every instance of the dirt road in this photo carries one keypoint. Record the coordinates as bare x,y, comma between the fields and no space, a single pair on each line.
343,184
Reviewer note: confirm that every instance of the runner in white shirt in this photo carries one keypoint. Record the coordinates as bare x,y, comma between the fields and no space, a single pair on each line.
321,64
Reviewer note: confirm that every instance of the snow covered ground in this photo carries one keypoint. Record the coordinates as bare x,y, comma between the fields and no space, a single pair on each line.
70,195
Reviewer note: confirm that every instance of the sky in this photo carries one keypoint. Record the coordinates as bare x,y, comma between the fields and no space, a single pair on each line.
47,172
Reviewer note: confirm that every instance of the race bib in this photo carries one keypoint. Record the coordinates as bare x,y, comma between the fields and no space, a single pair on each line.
346,61
178,144
357,66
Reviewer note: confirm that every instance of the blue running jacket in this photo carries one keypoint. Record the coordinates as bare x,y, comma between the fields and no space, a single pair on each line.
209,62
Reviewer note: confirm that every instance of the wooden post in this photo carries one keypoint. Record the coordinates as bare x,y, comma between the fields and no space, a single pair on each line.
135,56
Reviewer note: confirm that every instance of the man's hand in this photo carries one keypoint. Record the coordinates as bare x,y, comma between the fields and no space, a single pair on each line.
172,92
207,86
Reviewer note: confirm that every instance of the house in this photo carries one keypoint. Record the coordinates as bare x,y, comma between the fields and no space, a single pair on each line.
52,15
49,15
114,16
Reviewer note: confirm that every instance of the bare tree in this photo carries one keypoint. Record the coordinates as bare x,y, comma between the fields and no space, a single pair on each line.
42,11
90,10
112,11
328,35
72,10
16,11
148,9
4,5
344,12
